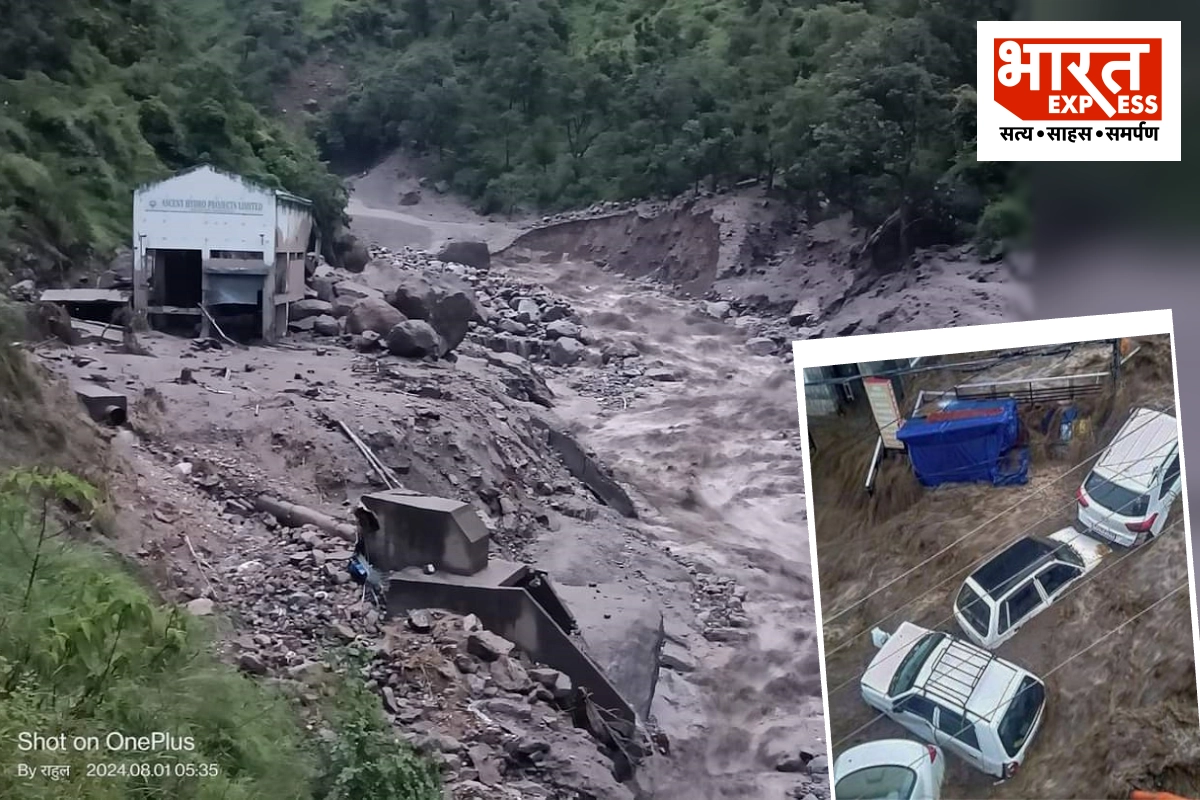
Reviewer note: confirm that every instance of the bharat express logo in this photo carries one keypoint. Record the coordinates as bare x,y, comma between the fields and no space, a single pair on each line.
1087,79
1106,91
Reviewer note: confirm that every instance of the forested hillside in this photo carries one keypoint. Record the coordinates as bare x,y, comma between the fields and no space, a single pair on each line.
562,102
521,104
101,95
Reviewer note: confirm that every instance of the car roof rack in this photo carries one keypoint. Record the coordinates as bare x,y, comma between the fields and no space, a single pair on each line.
956,673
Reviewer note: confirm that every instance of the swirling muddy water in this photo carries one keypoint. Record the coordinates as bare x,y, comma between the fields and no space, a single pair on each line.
713,458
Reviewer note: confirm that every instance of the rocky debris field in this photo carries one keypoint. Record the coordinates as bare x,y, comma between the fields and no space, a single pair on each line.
213,425
499,725
416,305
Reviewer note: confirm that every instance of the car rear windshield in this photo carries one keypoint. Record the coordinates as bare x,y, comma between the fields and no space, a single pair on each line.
1022,711
910,665
877,783
1116,498
974,610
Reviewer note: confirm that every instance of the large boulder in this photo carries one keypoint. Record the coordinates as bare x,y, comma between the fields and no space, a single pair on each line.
326,325
445,303
325,287
381,275
356,291
373,314
302,309
414,338
472,254
565,351
562,328
353,252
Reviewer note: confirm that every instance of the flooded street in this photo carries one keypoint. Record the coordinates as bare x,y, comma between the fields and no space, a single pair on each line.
1121,709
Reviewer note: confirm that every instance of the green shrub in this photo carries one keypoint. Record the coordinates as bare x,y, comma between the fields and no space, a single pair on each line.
86,652
1005,222
364,758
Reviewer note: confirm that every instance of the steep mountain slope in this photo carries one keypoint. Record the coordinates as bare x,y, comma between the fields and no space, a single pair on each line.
101,96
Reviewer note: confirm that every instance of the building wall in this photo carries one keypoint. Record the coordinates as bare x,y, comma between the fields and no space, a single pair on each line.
228,219
293,227
204,210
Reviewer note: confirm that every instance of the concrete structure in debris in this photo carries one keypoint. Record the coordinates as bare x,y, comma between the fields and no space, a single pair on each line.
402,534
214,239
423,530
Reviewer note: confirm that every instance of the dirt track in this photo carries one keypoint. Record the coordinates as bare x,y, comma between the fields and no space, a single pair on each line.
1121,714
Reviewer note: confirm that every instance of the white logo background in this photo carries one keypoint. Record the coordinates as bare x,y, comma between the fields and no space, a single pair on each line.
991,116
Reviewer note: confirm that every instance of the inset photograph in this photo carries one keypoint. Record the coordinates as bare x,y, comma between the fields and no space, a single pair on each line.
1003,565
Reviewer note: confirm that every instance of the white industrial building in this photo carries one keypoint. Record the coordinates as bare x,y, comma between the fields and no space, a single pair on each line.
212,239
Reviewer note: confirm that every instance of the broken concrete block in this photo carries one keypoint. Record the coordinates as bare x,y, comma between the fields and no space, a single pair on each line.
624,634
585,469
488,646
509,675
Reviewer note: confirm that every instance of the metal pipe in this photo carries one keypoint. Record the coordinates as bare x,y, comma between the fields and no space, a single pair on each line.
293,516
874,465
1098,376
1132,353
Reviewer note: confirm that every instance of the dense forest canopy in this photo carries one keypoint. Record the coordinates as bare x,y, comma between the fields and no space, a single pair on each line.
521,104
101,95
562,102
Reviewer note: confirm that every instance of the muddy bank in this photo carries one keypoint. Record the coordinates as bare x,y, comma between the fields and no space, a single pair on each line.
762,256
676,248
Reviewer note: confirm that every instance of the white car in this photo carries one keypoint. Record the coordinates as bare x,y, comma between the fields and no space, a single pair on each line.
951,693
1128,494
890,769
1020,582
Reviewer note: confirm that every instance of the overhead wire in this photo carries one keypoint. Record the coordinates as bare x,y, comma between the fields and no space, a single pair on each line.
1026,498
1048,673
845,643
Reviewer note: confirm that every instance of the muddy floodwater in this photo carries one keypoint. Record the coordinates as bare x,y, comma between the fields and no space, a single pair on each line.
1121,709
712,451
